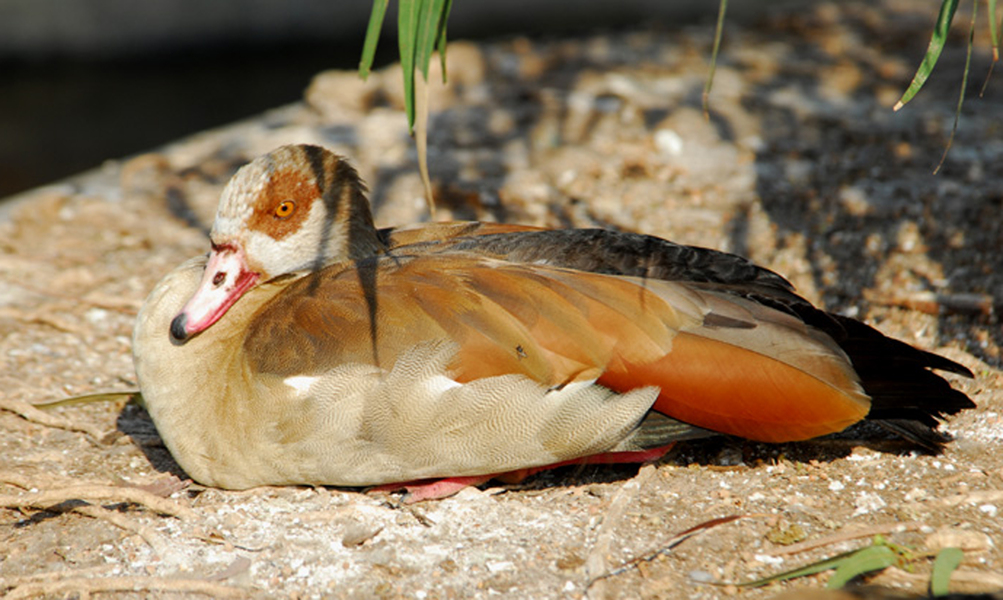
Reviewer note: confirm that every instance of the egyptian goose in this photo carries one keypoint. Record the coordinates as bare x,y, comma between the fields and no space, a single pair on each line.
311,348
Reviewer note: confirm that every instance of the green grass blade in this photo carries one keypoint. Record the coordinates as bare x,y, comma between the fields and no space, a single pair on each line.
946,562
407,34
373,37
428,37
424,40
816,567
867,560
933,51
964,84
422,28
718,34
432,33
441,43
994,34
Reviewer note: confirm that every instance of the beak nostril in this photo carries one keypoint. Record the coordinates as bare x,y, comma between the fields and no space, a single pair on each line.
218,279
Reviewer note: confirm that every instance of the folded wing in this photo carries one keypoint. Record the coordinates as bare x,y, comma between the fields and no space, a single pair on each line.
721,362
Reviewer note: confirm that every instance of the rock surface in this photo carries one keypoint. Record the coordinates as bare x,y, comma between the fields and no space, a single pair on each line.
802,166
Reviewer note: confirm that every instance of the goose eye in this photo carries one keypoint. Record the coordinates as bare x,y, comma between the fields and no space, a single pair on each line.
285,209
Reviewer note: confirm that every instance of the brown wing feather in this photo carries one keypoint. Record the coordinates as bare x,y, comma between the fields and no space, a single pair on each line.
574,328
721,364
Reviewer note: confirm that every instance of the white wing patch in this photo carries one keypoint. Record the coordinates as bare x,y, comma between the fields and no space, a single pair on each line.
300,383
439,384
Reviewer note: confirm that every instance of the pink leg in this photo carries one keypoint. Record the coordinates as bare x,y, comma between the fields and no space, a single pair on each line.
432,489
435,489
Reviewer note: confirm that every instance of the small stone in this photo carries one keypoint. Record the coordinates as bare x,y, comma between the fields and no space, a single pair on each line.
867,502
357,534
669,142
496,566
449,565
570,561
952,537
96,316
785,534
701,576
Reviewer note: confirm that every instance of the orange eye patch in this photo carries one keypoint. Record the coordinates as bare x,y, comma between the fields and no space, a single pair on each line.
285,209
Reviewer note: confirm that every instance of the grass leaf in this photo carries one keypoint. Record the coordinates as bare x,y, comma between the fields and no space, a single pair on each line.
426,35
964,84
879,555
421,140
933,51
946,562
816,567
429,32
407,35
433,34
421,28
441,37
866,560
373,37
718,34
994,34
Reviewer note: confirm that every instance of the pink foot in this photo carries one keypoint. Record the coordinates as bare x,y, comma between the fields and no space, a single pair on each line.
436,489
432,489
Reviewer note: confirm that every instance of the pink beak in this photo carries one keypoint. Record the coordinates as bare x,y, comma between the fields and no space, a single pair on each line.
224,281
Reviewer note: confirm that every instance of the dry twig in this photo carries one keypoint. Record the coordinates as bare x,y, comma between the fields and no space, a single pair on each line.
151,537
934,303
87,585
163,486
16,480
677,539
7,583
48,500
846,536
42,317
126,306
40,417
595,564
963,581
971,498
94,298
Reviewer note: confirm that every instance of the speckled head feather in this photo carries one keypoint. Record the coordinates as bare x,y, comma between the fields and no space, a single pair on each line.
298,207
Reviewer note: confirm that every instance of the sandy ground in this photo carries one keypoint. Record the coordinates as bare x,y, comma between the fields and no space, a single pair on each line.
802,167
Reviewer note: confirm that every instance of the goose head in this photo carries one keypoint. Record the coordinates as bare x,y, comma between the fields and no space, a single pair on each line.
297,208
